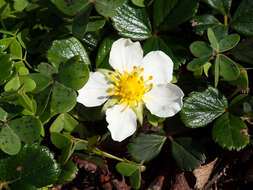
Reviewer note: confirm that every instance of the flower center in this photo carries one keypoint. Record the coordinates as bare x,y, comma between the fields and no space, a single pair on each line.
129,88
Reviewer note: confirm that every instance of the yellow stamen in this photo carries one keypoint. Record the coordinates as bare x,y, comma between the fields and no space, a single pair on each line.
130,88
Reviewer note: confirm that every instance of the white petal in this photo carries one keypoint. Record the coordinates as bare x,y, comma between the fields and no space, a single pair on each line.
94,92
122,122
164,100
125,54
158,65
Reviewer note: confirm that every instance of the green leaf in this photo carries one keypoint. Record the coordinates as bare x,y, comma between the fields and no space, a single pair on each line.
146,146
68,172
135,179
242,105
6,67
242,20
20,5
9,141
228,132
103,53
132,22
34,165
5,42
20,82
242,81
27,128
212,39
161,10
139,3
42,99
3,114
63,121
107,7
126,169
201,108
201,49
80,22
95,23
229,42
216,71
187,153
154,120
83,113
62,50
70,8
243,50
47,69
15,50
197,63
42,81
63,99
73,74
201,23
222,6
182,11
228,68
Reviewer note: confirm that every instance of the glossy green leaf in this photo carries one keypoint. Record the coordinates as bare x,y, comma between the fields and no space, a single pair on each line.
139,3
146,146
63,121
80,22
197,63
200,49
68,172
201,108
187,153
73,74
223,6
91,40
242,19
70,8
229,42
228,68
63,99
107,8
62,50
102,59
228,132
243,50
34,165
46,69
201,23
5,67
126,169
182,11
161,10
132,22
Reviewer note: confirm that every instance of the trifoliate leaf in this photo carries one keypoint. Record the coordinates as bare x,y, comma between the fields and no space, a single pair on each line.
229,42
201,49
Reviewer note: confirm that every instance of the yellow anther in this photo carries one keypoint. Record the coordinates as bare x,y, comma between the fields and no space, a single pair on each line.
129,88
150,77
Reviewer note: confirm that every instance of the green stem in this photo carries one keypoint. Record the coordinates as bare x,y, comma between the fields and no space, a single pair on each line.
225,20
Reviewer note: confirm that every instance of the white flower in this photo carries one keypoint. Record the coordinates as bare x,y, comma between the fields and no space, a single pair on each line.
137,81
